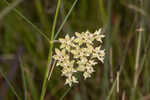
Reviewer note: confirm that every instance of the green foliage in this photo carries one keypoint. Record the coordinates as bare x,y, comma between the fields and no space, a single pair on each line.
28,27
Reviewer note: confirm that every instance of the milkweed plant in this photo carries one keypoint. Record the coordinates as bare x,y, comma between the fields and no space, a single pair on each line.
79,54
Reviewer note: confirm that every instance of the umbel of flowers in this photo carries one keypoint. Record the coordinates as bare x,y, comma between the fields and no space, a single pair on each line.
78,54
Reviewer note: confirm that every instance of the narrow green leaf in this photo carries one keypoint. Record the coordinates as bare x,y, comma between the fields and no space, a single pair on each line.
29,22
10,85
23,79
65,93
67,16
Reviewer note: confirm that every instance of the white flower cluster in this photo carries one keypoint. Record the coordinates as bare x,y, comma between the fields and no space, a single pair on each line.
78,54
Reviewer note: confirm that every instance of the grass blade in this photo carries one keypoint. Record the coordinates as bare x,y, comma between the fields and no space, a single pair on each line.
63,96
10,85
143,59
102,10
105,80
67,16
31,84
42,15
23,79
8,9
29,22
111,90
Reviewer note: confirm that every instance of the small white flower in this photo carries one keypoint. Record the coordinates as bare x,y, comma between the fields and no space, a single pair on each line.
99,54
81,68
60,55
68,71
98,36
77,54
86,75
70,80
67,42
91,63
90,70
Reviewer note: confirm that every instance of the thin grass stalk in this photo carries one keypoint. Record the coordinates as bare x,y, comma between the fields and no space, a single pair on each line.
10,85
42,16
123,95
67,16
65,93
44,86
137,57
31,84
23,79
102,9
133,91
50,73
121,66
9,8
120,71
28,21
112,89
143,60
107,48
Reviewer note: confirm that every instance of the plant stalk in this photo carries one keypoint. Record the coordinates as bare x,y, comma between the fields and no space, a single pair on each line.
44,86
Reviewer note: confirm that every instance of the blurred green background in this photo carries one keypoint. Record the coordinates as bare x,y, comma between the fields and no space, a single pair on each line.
125,75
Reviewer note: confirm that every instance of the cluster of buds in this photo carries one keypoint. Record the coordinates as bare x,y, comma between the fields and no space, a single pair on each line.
78,54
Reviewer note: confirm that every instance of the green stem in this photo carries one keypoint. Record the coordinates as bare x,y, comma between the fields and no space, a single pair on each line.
67,16
65,93
44,86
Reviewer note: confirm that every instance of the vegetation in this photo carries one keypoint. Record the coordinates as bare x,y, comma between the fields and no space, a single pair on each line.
29,29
